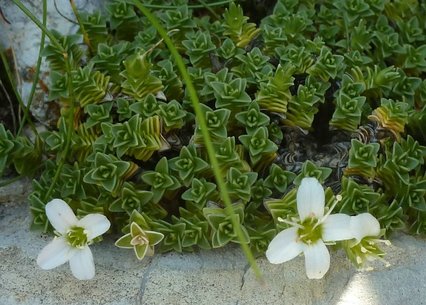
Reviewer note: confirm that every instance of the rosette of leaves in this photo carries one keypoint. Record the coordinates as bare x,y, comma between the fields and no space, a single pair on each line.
172,115
413,58
240,183
228,156
310,169
196,231
377,81
136,137
413,195
59,87
131,198
127,135
361,37
198,46
357,198
90,87
390,214
95,29
54,141
179,18
188,164
252,118
258,145
146,107
55,56
354,10
348,112
362,159
26,155
406,88
279,179
236,26
216,121
349,105
327,65
123,108
98,114
160,180
253,66
231,95
392,116
386,39
72,184
197,195
275,94
109,59
222,76
6,147
301,108
259,192
139,80
173,234
298,58
399,163
221,223
411,30
173,87
123,19
228,50
109,172
141,240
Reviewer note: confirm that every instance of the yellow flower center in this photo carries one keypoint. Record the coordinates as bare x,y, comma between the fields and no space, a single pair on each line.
311,231
77,237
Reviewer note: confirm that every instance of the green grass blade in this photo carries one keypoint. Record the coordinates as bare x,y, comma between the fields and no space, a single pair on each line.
201,120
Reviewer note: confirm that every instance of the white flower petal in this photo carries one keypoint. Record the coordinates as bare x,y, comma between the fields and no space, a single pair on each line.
95,225
317,260
82,265
337,227
363,225
284,247
55,254
60,215
310,199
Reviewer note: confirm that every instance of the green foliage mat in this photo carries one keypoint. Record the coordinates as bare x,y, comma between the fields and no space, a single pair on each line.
329,89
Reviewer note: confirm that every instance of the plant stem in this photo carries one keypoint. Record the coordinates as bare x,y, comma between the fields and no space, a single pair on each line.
36,74
80,23
204,131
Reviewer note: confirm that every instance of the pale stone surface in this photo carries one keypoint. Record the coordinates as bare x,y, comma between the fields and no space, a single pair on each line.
23,36
15,192
206,277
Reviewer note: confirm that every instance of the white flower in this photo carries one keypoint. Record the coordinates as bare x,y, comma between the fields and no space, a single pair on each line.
311,232
73,241
364,225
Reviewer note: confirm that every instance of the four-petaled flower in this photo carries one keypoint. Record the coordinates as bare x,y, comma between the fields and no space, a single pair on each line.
313,230
72,242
